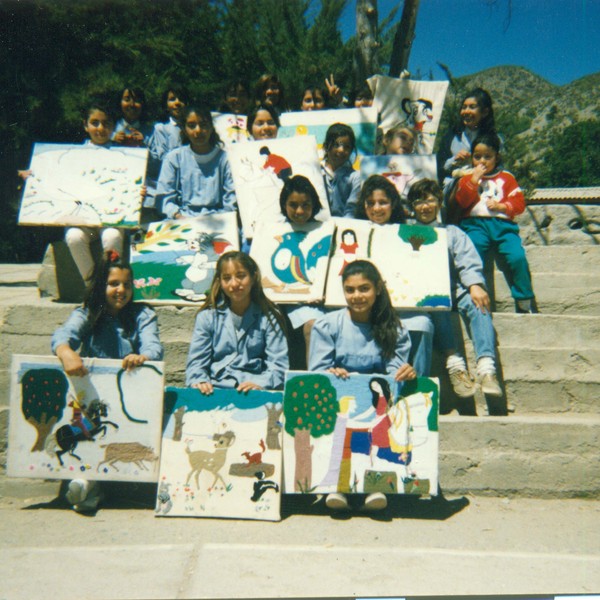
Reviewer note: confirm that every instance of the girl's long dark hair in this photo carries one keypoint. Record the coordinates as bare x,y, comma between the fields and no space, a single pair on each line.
384,320
95,295
484,101
385,390
217,298
379,182
204,113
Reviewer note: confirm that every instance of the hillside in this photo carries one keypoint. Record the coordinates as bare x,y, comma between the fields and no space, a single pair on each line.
531,112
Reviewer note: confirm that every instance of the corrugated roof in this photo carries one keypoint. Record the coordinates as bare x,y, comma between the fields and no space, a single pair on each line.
582,195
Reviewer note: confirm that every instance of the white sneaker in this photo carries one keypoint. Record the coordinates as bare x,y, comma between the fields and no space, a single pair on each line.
336,501
83,495
375,501
462,384
489,385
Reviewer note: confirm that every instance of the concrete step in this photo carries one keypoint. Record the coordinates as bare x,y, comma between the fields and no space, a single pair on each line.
545,456
563,259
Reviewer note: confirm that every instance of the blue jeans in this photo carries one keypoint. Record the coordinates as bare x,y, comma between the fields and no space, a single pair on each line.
420,328
480,328
503,236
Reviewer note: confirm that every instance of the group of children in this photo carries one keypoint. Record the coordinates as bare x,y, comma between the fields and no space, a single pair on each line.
240,337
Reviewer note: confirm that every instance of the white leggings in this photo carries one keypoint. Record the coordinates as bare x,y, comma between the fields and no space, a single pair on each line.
79,239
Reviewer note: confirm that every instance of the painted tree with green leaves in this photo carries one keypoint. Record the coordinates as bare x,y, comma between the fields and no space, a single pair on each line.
417,235
43,400
310,407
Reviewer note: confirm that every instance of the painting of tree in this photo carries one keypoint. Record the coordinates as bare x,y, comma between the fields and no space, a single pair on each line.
44,397
417,235
310,406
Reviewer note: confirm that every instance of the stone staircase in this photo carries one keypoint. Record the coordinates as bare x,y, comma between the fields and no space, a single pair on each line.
547,446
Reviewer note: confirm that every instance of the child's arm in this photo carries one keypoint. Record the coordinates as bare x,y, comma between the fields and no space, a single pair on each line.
321,355
68,338
229,197
467,192
168,188
200,355
351,202
513,202
398,366
150,347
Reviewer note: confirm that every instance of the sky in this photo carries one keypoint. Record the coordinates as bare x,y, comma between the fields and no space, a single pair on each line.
556,39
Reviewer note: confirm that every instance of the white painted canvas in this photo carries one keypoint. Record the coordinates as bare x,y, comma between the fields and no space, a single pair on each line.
221,455
293,259
403,170
84,185
175,261
363,122
414,104
363,434
259,170
412,259
231,128
104,426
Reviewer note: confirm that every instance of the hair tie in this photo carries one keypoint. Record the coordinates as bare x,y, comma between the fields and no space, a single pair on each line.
113,256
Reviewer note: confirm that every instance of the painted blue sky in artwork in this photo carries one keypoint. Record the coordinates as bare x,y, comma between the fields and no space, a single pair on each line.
553,38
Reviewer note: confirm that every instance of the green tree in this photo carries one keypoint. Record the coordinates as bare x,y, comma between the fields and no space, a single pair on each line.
43,399
574,158
310,407
417,235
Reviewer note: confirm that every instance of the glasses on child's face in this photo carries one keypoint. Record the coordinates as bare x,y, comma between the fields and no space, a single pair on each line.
424,201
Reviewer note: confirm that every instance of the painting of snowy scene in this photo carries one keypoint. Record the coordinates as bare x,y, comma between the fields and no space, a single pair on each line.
221,455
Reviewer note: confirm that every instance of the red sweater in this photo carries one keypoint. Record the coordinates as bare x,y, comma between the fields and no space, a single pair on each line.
502,187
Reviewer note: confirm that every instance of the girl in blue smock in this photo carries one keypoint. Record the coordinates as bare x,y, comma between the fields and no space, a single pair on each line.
99,123
342,182
167,135
365,337
380,203
300,204
108,325
195,179
239,336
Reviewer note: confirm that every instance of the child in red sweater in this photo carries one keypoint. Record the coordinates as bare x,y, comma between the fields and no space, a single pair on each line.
490,199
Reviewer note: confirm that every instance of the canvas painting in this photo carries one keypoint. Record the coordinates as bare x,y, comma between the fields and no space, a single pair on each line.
103,426
221,455
363,122
293,259
402,170
231,128
363,434
414,104
412,259
175,261
84,185
260,169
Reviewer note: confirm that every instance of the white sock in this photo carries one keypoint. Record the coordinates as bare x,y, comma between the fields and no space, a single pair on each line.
455,363
486,366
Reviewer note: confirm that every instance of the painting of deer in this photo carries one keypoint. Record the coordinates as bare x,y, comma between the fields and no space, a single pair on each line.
213,462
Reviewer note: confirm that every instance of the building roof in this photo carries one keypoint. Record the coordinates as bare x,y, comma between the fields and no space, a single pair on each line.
574,195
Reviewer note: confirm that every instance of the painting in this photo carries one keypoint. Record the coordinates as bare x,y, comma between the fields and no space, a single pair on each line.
293,259
84,185
363,434
175,261
231,128
401,170
363,122
260,169
103,426
414,104
221,455
412,259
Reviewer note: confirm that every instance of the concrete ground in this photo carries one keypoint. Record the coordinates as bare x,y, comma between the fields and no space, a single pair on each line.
442,546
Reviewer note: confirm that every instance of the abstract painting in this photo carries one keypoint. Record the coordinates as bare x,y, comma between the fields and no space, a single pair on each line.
363,434
363,122
293,259
174,262
260,169
84,185
412,259
103,426
414,104
221,455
